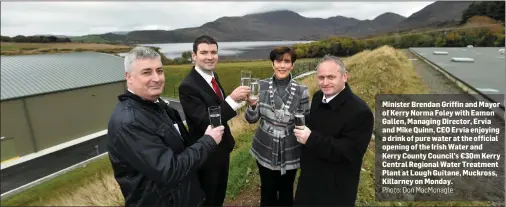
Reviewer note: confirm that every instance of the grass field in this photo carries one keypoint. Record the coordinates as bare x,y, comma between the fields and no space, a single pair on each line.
382,71
14,48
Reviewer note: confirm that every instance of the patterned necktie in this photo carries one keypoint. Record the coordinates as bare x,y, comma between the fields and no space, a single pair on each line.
216,89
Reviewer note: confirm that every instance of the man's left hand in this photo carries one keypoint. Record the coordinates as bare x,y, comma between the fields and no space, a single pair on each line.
302,133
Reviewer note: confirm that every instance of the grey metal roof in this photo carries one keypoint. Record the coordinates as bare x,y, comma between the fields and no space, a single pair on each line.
486,74
28,75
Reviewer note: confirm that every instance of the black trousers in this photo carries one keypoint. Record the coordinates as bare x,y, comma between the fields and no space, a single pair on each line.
213,182
276,190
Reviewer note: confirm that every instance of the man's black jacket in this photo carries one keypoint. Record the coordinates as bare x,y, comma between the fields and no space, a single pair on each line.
151,162
331,159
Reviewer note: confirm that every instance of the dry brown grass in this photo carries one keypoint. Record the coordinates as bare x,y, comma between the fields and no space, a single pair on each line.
311,83
239,125
101,190
26,46
15,48
384,70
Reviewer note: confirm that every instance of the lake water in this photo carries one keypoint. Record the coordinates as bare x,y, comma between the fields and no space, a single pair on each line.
173,50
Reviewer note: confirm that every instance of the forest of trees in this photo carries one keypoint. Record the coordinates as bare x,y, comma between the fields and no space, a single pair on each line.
492,9
34,39
482,25
479,31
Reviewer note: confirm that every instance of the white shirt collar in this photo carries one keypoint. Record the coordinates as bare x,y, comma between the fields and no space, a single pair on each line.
330,98
206,76
327,100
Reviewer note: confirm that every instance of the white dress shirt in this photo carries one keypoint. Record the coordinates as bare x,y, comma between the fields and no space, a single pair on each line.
327,100
234,105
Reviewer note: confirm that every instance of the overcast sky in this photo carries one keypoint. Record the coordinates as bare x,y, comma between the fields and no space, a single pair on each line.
81,18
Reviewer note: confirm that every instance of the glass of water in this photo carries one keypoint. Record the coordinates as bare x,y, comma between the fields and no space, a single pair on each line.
299,118
245,77
214,116
254,89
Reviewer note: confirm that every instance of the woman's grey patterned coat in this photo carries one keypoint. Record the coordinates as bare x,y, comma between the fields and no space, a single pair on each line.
274,144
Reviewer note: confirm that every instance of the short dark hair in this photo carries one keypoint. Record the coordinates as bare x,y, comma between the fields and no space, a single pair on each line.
278,53
203,39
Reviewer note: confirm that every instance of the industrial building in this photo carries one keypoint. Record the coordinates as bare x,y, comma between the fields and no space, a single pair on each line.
53,101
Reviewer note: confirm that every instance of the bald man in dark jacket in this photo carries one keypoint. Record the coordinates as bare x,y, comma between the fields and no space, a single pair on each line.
339,128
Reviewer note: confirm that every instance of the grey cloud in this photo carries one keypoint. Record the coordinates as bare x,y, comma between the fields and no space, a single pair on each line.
80,18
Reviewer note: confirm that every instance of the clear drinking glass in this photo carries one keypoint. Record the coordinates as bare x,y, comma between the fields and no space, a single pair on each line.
254,89
214,115
299,118
245,77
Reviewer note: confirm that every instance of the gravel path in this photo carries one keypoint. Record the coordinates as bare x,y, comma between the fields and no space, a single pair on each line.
436,82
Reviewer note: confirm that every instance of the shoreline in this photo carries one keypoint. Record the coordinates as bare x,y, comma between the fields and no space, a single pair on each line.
256,53
251,53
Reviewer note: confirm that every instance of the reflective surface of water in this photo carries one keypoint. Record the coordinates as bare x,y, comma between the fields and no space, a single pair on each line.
173,50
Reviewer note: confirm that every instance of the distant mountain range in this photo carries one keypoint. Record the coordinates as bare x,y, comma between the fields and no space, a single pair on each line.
121,32
59,36
289,25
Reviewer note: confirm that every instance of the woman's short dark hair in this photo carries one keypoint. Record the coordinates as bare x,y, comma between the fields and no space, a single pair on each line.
278,53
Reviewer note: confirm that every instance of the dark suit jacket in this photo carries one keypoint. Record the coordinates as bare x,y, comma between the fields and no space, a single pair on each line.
196,96
331,159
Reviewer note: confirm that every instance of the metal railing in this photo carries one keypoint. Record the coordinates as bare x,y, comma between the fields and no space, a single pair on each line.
305,66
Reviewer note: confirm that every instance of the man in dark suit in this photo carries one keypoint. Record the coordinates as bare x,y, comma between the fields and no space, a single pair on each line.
339,128
199,90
